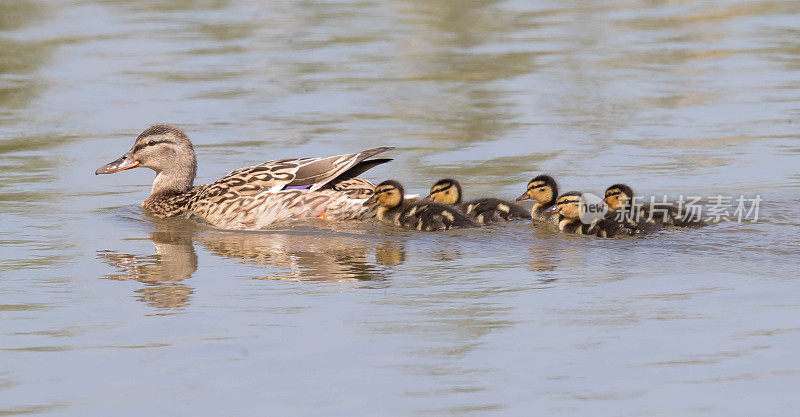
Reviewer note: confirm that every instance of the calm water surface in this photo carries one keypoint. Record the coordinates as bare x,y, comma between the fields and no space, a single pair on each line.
108,311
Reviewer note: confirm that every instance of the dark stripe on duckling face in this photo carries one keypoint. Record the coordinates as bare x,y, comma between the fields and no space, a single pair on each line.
618,196
540,191
568,205
439,189
569,208
446,191
568,201
387,194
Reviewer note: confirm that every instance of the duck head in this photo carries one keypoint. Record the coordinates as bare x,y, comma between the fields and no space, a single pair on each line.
166,150
618,196
388,194
542,189
567,205
445,191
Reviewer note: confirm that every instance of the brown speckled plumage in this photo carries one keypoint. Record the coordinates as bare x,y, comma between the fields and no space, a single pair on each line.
252,197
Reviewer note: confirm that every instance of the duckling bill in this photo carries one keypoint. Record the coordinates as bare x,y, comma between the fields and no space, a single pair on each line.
483,210
420,215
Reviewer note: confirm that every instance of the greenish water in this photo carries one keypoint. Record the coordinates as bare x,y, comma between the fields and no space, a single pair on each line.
107,310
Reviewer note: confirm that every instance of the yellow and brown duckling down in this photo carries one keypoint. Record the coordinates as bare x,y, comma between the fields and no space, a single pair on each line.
252,197
620,199
421,215
483,210
570,209
543,190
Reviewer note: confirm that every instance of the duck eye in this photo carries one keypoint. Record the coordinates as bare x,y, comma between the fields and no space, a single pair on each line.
151,143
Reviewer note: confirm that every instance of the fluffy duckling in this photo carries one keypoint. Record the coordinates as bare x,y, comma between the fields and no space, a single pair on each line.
394,208
543,190
619,197
483,210
570,208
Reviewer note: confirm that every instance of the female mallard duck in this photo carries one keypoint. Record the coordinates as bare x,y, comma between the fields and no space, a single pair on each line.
571,208
394,208
251,197
482,210
543,190
619,199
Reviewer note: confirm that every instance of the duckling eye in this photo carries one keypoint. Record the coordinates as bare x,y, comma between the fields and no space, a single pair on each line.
151,143
541,189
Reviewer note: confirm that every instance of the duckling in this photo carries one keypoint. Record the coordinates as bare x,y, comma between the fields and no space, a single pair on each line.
620,199
544,190
411,214
570,208
483,210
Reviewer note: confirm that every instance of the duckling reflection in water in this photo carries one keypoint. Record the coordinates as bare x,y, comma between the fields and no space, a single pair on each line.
543,190
620,199
483,210
395,209
571,208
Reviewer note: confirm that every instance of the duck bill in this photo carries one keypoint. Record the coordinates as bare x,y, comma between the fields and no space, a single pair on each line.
551,210
370,201
124,162
524,196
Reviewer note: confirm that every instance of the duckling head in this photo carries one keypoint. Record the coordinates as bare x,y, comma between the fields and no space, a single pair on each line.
568,205
388,194
618,196
445,191
543,189
166,150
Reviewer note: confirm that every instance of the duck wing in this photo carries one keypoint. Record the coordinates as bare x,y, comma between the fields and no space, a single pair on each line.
317,172
273,176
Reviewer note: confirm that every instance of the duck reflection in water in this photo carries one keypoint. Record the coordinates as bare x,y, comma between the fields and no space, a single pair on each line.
174,261
315,255
310,255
